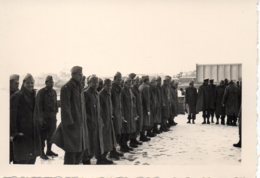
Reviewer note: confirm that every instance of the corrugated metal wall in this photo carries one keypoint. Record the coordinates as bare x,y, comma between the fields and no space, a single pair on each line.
218,72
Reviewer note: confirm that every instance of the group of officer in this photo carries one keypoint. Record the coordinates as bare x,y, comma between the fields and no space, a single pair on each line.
96,120
220,101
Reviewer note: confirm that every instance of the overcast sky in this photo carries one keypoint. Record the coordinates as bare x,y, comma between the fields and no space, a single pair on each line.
156,36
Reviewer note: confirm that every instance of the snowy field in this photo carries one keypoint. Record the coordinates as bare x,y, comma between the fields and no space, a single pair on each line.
184,144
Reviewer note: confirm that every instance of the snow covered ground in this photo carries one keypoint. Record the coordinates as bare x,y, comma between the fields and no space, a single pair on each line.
184,144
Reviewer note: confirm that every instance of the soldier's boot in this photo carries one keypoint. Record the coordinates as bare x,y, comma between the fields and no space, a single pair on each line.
208,121
217,120
113,155
44,156
188,121
137,142
49,151
212,119
238,145
204,120
103,159
235,121
143,138
133,143
150,133
223,120
193,121
193,118
189,118
155,129
174,123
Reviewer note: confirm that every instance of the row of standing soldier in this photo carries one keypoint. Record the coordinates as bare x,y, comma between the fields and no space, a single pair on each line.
92,123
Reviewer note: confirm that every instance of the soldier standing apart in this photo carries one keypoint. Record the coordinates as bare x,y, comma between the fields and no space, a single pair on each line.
14,87
106,115
117,112
191,100
220,110
204,101
212,99
95,125
231,102
71,135
24,126
46,109
145,94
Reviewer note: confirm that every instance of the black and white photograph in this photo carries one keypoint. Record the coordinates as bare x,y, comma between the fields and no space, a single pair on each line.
128,88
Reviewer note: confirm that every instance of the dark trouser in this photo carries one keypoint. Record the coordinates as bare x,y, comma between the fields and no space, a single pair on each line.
72,157
124,139
206,115
231,119
211,113
29,161
191,116
47,131
222,118
11,154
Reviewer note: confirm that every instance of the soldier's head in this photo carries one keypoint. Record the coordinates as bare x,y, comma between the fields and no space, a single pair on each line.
14,82
153,82
136,81
206,81
211,82
167,80
107,85
159,81
49,81
118,78
127,82
226,81
132,76
100,83
28,82
222,83
192,83
76,73
93,82
145,79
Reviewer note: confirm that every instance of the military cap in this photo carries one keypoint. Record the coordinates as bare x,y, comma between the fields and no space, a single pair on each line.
28,76
14,77
206,80
159,78
76,69
167,77
153,79
48,78
107,81
212,80
93,78
127,79
132,75
118,74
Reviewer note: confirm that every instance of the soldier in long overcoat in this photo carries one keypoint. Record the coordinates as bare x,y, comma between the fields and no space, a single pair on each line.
174,102
25,132
154,106
138,110
166,103
144,89
191,95
158,117
117,111
95,124
220,110
212,99
109,137
129,119
46,109
72,133
14,87
231,101
203,102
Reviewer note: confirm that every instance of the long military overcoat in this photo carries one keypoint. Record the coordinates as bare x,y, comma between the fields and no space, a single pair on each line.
191,99
117,108
145,93
139,108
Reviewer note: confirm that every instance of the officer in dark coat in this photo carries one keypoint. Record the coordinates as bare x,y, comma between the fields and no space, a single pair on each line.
166,103
220,110
212,99
14,87
191,95
138,110
24,126
117,111
109,138
231,102
129,119
72,133
47,108
144,89
95,124
203,102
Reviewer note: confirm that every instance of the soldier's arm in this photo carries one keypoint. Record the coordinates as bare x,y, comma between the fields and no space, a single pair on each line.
39,106
14,104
